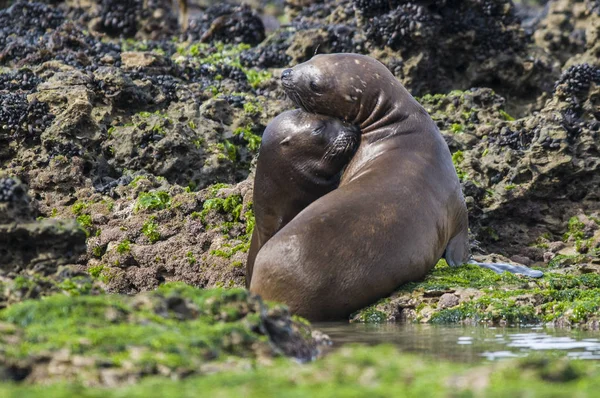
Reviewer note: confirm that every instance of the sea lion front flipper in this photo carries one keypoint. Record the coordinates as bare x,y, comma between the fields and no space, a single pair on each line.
513,269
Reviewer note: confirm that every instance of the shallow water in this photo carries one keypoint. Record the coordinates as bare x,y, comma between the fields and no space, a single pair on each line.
468,344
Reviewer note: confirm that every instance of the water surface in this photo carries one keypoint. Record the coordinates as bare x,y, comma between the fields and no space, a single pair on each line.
467,343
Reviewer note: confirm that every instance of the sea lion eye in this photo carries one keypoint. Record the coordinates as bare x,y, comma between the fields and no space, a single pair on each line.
313,86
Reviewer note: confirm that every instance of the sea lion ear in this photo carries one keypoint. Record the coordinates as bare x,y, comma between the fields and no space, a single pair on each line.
286,140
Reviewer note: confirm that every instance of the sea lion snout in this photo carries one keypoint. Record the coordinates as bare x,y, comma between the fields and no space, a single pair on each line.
352,129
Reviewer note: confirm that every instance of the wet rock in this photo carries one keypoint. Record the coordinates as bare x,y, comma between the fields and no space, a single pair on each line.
448,300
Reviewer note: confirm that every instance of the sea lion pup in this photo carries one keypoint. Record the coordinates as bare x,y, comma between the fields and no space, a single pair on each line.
301,158
399,207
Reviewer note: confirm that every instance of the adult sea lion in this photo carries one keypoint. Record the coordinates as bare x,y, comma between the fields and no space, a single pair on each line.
399,207
301,158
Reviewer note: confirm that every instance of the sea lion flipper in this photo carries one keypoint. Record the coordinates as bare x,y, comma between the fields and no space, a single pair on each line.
513,269
457,251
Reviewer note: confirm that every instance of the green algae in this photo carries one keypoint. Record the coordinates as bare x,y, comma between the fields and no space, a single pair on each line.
219,54
358,371
79,207
457,158
506,116
252,140
556,298
190,257
256,78
252,107
231,208
35,286
96,270
445,277
575,231
230,205
150,230
124,247
175,329
228,250
158,200
457,128
575,299
371,315
85,223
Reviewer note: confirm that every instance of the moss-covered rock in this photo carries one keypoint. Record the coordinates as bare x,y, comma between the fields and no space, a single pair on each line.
474,295
363,371
175,331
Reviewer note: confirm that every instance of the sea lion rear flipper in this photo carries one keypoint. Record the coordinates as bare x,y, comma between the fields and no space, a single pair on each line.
458,249
513,269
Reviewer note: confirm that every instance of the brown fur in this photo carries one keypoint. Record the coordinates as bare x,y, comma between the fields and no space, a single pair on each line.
301,159
398,209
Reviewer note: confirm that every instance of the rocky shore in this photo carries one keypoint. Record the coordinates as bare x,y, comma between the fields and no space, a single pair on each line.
127,149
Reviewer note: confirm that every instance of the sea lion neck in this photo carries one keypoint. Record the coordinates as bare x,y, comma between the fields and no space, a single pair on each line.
387,118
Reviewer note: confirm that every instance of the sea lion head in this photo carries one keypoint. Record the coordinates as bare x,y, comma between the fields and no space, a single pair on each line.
318,144
346,86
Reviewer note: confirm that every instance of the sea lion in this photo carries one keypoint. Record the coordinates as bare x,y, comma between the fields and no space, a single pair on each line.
399,207
300,159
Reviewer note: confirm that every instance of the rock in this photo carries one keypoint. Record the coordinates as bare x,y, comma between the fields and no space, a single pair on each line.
448,300
521,260
29,245
238,326
568,29
138,59
15,204
40,246
556,246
